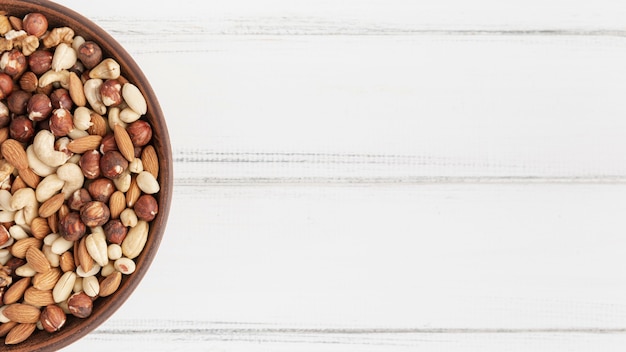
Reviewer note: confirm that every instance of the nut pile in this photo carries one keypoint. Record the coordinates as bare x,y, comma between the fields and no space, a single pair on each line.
78,176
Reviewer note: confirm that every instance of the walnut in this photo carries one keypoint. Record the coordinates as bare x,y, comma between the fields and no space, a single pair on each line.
57,36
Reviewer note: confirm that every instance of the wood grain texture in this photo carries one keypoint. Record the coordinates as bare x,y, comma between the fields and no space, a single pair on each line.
383,176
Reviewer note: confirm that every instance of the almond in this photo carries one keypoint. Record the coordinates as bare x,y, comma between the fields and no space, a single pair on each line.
84,259
21,313
51,205
76,90
15,292
39,227
124,143
110,284
29,177
117,204
19,248
133,192
17,184
98,125
20,333
6,327
67,262
47,280
53,222
14,153
38,298
150,160
37,260
83,144
4,134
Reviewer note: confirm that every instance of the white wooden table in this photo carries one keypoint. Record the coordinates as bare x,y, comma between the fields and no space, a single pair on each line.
377,175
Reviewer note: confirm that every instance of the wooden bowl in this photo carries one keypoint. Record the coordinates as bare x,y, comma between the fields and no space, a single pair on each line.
104,307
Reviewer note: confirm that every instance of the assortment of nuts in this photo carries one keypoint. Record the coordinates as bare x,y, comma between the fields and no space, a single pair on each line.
78,176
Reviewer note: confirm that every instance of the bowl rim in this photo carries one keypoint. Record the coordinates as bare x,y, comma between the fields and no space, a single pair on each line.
105,307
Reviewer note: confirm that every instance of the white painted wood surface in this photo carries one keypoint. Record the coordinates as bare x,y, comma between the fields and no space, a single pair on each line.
383,175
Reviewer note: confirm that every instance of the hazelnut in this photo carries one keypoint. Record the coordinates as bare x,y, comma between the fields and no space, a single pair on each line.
61,122
16,23
16,102
108,143
29,81
21,129
101,189
52,318
13,63
6,85
40,61
95,213
71,226
5,118
80,305
89,163
112,164
39,107
111,92
115,231
90,54
12,264
45,89
78,68
146,207
35,24
61,145
78,198
140,133
60,99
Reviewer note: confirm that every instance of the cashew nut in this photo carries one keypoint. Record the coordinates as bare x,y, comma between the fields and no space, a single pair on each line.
92,93
7,213
48,187
129,115
52,76
73,177
122,182
26,205
134,98
115,119
106,69
68,178
82,118
5,254
135,166
64,57
43,145
18,232
77,42
38,166
77,133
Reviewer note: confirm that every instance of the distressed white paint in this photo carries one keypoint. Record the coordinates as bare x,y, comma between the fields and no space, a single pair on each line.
383,175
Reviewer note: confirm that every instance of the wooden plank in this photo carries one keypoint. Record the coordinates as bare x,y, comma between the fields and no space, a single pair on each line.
355,17
400,107
403,107
195,336
474,256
